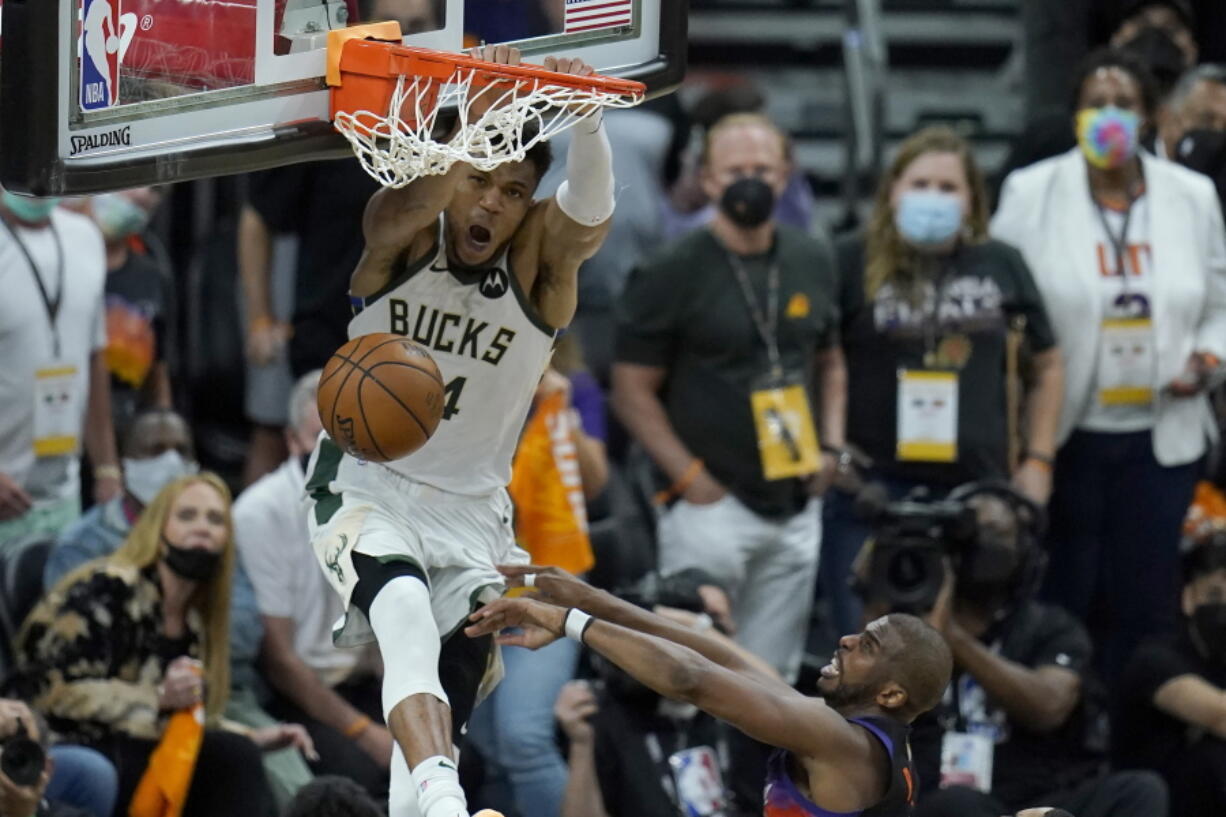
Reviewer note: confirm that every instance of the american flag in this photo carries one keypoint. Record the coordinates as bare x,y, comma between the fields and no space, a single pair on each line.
589,15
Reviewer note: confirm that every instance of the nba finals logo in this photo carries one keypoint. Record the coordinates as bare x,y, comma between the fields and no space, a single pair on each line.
106,34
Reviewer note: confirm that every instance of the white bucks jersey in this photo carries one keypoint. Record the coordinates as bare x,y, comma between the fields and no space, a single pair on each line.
491,349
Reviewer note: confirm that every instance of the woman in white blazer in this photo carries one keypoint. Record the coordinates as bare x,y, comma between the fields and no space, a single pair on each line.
1129,255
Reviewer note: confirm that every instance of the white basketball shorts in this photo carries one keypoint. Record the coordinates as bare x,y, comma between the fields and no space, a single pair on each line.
455,540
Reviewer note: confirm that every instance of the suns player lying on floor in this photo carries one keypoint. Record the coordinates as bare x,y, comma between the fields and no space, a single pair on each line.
468,265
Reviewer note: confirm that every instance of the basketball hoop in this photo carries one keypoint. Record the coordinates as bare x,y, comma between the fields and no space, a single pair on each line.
386,98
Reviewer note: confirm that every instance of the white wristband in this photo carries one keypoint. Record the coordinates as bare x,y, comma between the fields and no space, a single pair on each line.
577,623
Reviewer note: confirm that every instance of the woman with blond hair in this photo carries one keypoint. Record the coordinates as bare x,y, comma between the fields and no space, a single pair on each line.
931,310
125,641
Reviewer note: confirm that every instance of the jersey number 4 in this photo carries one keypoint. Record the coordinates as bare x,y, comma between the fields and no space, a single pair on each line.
452,392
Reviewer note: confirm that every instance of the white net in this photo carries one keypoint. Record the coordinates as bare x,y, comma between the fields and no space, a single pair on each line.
396,147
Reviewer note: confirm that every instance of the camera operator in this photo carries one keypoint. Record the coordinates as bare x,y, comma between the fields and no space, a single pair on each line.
25,765
1010,731
634,753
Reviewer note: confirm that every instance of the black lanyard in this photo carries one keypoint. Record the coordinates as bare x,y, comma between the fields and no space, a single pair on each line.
768,324
51,305
1118,243
932,316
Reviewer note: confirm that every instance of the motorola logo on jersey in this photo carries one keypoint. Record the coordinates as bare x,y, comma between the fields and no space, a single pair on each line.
494,284
448,332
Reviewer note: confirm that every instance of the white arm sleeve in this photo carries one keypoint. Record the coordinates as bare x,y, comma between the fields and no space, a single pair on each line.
587,194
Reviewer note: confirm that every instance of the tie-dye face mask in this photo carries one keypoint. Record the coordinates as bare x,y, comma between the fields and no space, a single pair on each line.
1108,136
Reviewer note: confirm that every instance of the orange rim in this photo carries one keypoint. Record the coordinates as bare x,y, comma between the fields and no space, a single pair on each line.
364,73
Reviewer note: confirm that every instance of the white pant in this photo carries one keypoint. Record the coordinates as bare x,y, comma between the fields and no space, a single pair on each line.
768,566
455,540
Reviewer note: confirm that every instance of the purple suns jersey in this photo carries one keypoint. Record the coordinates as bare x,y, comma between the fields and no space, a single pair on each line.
783,798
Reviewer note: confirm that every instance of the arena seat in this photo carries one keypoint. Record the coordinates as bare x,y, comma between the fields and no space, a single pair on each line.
21,586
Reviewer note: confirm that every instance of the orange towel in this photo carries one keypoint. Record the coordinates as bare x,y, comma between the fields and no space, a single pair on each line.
162,791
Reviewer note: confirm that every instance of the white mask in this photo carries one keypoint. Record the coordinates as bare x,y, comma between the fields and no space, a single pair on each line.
144,478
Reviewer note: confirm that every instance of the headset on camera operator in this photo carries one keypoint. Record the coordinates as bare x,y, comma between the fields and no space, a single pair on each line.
1011,729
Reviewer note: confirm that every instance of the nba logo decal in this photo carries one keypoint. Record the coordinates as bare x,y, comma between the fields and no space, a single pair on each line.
106,34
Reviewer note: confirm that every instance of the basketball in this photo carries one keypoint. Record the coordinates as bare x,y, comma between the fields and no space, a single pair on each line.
380,397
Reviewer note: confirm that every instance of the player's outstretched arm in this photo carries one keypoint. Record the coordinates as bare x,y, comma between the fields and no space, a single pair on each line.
561,589
771,713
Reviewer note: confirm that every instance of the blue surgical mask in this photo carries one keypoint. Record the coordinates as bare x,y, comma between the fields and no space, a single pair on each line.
117,216
28,208
926,218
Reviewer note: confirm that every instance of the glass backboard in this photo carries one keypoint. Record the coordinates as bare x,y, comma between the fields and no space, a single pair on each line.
137,92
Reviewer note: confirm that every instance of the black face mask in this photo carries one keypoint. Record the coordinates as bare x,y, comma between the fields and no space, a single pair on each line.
749,202
1158,51
1203,151
193,564
1209,621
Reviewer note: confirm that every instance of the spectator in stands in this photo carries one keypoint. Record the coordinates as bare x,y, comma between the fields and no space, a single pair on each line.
1197,106
559,465
76,782
689,206
719,339
1171,715
138,303
1162,35
52,342
719,336
1193,124
320,204
333,692
1011,731
1157,33
158,450
927,293
122,642
633,753
332,796
1129,253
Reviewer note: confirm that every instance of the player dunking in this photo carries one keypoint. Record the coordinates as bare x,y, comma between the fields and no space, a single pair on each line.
468,265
